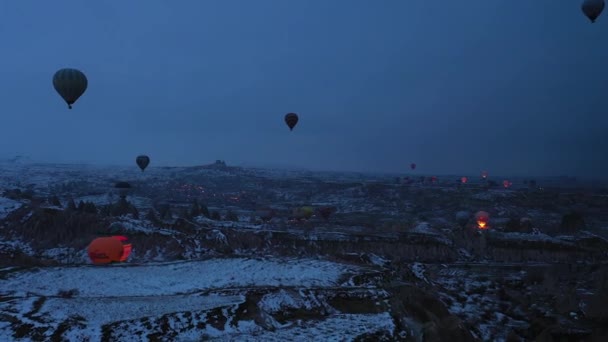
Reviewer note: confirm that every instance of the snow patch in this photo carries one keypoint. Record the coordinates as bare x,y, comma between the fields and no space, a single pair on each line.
174,278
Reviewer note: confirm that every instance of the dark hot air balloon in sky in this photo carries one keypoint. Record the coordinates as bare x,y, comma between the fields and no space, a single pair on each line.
291,119
413,166
592,9
484,174
142,161
70,84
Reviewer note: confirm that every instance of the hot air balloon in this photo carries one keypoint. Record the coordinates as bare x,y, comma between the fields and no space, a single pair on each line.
302,213
413,166
506,183
433,179
462,217
484,174
105,250
592,9
291,119
326,211
142,161
70,84
123,189
463,180
482,219
126,247
266,214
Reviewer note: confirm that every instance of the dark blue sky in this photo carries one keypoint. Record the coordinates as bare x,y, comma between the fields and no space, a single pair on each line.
514,87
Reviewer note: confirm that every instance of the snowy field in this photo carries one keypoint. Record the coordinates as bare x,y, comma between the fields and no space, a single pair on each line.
130,301
173,278
8,205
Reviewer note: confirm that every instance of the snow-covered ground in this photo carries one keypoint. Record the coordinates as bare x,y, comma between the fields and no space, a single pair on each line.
82,303
174,278
8,205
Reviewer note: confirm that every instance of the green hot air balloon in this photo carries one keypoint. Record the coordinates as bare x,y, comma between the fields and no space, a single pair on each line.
70,84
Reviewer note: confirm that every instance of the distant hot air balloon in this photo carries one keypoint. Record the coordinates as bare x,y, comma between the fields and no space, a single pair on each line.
105,250
291,119
463,180
484,174
433,179
266,214
302,213
482,219
326,211
142,161
70,84
462,217
592,9
123,188
506,183
413,166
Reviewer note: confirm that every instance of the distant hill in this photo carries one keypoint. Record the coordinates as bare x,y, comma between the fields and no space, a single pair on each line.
276,166
18,159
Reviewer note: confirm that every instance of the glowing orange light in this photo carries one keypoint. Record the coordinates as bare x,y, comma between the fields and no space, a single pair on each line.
481,224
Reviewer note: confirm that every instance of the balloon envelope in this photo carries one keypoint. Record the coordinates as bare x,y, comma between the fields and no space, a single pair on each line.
126,247
291,119
482,219
105,250
142,161
266,214
303,212
326,212
462,217
70,84
592,9
413,166
123,188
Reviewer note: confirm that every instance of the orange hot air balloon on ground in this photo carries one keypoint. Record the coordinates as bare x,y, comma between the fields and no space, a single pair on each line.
126,247
105,250
482,218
